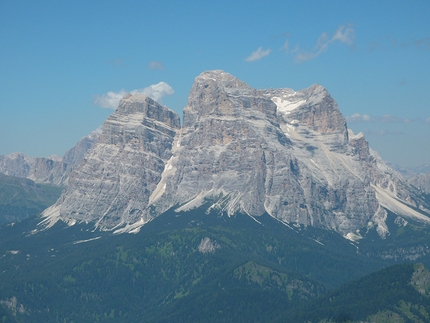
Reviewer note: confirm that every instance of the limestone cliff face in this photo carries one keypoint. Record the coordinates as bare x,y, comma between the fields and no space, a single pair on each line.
229,137
112,185
279,151
421,181
76,154
47,170
283,152
44,170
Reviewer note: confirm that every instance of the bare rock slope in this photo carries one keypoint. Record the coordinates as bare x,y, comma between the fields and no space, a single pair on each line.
283,152
48,170
113,184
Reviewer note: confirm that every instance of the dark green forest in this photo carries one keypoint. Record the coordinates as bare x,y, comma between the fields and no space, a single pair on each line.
21,198
198,267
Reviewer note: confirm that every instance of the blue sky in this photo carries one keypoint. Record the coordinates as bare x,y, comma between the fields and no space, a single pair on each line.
64,63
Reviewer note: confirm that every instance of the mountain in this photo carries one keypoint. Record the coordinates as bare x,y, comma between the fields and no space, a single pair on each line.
21,198
53,170
196,266
421,181
261,207
285,153
113,184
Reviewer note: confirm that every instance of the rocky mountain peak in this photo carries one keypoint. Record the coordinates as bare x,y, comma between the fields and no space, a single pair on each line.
217,94
240,150
113,184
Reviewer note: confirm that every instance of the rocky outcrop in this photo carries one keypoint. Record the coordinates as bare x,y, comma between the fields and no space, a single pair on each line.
421,181
76,154
47,170
112,185
281,152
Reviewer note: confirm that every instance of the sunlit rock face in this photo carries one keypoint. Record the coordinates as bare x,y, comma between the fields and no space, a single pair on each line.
283,152
111,187
421,181
53,170
277,151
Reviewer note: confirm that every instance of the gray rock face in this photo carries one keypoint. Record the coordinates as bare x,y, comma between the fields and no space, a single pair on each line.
76,154
47,170
421,181
39,169
283,152
111,187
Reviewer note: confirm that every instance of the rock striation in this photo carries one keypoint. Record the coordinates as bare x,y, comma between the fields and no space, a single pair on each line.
281,152
421,181
48,170
112,185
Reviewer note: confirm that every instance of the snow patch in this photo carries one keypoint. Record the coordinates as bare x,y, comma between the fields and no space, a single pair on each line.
286,106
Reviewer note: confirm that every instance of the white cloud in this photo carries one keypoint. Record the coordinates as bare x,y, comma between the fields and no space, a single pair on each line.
111,99
344,34
386,118
428,120
154,65
258,54
357,117
156,91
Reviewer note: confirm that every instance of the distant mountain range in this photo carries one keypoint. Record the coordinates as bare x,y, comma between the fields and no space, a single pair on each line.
53,170
21,198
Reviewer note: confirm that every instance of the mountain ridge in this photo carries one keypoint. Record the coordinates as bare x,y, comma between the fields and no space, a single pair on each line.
53,170
283,152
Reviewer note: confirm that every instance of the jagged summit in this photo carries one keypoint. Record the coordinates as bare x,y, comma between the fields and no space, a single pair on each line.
220,77
219,94
113,184
282,152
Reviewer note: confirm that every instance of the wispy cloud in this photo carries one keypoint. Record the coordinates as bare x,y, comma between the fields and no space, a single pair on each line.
111,99
386,118
258,54
424,42
428,120
154,65
383,133
357,117
115,62
344,34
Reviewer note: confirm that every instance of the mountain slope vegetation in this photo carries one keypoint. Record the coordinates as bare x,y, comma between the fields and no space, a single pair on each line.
399,293
21,198
182,267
